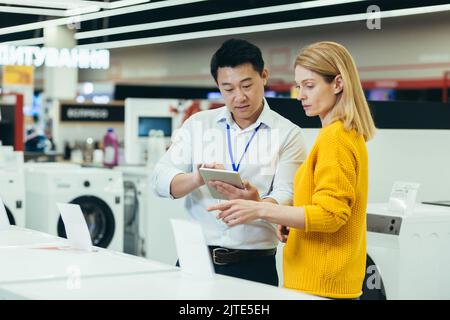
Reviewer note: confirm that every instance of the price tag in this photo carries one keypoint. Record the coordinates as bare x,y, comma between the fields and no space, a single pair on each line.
403,197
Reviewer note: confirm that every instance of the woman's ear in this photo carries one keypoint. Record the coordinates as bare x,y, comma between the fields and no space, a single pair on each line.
338,84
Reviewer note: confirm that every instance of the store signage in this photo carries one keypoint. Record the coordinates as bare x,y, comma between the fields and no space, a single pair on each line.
53,57
92,113
18,75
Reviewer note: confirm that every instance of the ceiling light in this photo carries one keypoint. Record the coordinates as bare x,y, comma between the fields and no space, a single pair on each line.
25,42
40,3
63,4
125,3
207,18
106,5
264,27
81,10
34,11
92,16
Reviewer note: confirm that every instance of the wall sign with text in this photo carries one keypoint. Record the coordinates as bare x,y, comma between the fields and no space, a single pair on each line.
54,57
92,113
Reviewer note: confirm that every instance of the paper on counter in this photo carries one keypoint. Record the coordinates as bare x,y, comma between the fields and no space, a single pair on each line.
192,250
4,221
76,227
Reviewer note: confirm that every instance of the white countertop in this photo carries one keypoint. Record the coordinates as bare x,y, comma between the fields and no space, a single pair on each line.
16,236
25,264
164,285
34,265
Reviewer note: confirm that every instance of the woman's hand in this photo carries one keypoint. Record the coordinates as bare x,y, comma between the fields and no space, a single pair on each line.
239,211
231,192
236,212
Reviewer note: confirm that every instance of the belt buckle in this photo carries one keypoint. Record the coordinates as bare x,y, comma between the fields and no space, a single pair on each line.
214,256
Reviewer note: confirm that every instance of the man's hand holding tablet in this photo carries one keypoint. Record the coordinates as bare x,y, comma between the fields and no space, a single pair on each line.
227,185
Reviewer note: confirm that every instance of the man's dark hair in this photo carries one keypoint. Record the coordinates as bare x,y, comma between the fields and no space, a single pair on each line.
235,52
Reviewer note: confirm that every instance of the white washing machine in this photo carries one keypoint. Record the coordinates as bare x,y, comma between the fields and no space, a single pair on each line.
148,231
12,185
134,203
12,191
409,255
99,192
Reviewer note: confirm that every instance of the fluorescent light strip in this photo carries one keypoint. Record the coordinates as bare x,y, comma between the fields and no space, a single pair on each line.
35,11
25,42
214,17
87,8
96,15
81,10
72,4
105,5
39,3
207,18
124,3
265,27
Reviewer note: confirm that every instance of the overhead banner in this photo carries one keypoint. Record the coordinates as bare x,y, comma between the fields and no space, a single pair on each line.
53,57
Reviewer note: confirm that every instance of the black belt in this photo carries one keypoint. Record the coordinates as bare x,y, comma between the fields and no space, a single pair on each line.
224,256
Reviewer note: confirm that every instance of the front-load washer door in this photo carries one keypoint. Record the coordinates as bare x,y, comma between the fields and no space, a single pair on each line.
11,219
99,218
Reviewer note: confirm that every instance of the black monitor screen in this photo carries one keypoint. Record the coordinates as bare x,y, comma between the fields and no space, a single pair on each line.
155,123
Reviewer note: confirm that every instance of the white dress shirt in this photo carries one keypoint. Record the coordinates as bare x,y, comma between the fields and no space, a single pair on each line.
270,163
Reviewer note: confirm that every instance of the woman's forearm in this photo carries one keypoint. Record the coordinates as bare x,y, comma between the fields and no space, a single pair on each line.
288,216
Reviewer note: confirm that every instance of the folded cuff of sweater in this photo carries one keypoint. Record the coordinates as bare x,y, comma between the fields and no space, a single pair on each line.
319,220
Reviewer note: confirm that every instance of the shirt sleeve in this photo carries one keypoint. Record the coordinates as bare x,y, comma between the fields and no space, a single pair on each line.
177,160
335,181
291,156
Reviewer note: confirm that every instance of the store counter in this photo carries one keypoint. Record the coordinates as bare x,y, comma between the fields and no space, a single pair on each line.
34,265
20,237
162,285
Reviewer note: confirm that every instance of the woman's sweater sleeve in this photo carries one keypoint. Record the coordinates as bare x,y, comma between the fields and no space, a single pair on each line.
334,181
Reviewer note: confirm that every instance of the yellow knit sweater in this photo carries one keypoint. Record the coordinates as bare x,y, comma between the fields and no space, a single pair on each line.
328,258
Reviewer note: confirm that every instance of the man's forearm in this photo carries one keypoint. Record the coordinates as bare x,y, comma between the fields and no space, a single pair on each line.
183,183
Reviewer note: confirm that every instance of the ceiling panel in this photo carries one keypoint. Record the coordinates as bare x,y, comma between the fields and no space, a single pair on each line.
202,8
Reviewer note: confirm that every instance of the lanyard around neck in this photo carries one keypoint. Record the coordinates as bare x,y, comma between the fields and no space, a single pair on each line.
230,149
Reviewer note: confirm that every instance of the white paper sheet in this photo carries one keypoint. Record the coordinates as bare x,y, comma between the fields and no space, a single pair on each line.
4,221
76,227
192,250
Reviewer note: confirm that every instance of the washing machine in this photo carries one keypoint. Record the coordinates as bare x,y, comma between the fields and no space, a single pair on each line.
12,192
12,185
408,255
99,192
134,203
148,231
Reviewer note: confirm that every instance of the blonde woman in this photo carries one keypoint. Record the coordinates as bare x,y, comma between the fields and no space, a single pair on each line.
325,252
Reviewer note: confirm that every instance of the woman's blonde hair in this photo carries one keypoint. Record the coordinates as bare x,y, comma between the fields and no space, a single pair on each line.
330,59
